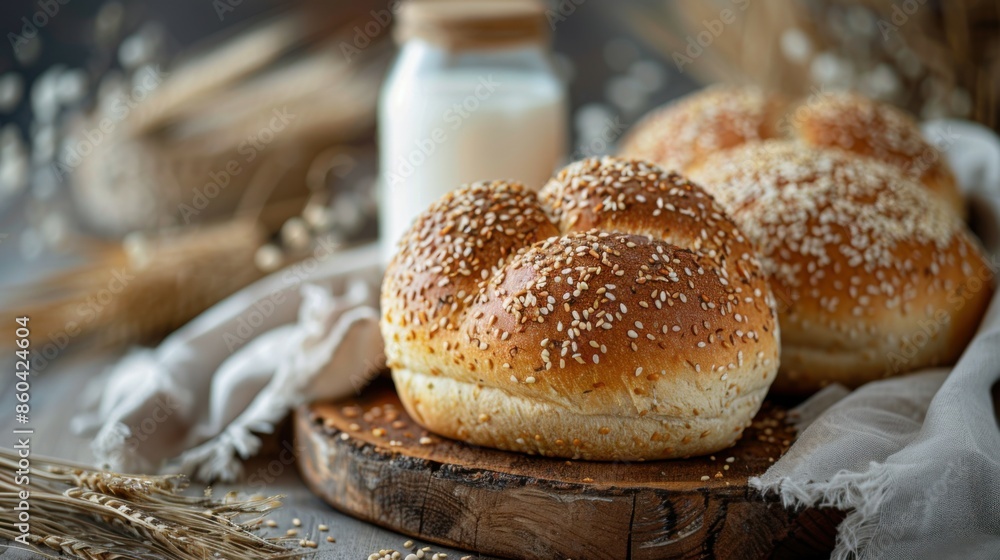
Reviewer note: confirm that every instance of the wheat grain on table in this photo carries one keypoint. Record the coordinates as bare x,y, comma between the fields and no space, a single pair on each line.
55,398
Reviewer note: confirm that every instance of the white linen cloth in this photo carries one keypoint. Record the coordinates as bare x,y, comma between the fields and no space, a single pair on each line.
914,460
193,404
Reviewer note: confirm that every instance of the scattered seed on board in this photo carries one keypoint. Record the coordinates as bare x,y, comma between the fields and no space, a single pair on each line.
331,539
408,544
297,522
271,523
323,528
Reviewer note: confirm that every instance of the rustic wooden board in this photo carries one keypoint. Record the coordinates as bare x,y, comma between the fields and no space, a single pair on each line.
366,457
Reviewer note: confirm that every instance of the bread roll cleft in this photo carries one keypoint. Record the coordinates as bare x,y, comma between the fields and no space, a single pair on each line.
681,135
637,324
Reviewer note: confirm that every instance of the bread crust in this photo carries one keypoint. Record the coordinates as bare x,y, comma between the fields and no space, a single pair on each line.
873,276
683,134
857,218
618,315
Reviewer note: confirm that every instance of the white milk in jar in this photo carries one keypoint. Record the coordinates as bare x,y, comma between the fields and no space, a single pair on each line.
472,96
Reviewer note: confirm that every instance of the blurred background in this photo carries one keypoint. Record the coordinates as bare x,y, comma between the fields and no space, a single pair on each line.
147,170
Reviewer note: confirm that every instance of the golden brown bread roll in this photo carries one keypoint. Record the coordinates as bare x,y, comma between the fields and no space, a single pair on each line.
873,276
682,134
857,220
636,324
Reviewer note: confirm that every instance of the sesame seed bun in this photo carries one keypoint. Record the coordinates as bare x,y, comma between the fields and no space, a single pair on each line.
873,275
618,315
681,135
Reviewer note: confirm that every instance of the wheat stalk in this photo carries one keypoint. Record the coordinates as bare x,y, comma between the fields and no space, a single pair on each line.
948,47
139,295
101,515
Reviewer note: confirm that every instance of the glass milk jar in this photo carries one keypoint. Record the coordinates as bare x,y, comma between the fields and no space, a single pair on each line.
472,96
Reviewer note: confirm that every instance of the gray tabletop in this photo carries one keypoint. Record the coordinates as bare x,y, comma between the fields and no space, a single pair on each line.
54,398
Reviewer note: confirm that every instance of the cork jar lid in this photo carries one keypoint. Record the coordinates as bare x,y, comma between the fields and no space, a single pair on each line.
469,24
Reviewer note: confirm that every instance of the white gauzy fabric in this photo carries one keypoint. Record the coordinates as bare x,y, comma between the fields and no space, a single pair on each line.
194,404
914,460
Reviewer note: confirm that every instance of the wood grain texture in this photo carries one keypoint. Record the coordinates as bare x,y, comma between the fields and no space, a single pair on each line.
366,457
